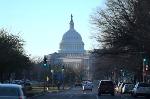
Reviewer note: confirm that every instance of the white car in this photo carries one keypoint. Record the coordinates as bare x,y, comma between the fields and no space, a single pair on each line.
11,91
127,88
87,86
141,89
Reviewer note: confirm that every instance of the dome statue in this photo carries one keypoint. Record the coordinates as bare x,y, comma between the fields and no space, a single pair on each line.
72,41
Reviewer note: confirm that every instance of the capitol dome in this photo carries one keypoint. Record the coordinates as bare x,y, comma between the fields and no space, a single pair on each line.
72,41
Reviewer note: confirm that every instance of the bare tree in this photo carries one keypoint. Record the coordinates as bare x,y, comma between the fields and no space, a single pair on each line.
124,24
123,29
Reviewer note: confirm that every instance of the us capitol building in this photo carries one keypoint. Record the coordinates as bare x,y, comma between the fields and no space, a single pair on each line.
72,53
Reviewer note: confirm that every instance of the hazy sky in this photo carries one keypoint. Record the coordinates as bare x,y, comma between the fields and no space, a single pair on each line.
42,23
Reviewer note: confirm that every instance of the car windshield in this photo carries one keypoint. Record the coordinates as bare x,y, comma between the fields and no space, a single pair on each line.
8,91
106,83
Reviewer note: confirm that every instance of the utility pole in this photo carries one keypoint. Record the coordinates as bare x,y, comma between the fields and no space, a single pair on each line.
144,60
52,71
63,76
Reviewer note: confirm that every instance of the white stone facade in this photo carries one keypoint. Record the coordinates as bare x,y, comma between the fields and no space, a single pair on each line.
72,52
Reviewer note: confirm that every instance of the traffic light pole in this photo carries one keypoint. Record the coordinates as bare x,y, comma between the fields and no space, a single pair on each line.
44,82
52,71
45,72
144,70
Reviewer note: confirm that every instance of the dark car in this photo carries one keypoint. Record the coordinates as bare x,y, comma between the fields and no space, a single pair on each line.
106,87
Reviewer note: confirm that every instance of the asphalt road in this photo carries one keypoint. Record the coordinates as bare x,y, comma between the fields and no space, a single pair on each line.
77,93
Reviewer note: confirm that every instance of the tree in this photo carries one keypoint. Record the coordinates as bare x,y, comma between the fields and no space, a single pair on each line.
107,63
12,56
123,30
69,75
124,24
38,70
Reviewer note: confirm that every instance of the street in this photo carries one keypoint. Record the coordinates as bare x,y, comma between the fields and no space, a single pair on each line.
77,93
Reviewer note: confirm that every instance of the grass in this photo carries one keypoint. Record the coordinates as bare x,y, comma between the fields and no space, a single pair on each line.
37,90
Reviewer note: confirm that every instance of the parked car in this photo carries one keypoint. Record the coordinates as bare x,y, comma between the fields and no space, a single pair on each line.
141,89
87,86
11,91
127,88
106,87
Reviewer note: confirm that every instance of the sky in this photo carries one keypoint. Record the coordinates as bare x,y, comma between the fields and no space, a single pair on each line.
42,23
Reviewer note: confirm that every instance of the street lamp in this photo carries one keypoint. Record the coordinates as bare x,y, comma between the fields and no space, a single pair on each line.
52,71
63,75
144,68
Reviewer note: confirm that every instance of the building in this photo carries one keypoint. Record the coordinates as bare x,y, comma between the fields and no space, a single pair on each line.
72,53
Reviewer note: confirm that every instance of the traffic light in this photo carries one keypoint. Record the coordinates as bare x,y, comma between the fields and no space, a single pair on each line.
146,67
45,61
146,63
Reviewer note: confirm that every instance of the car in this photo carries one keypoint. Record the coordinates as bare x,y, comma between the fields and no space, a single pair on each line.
19,82
127,88
141,89
12,91
117,87
78,83
27,86
87,86
106,87
120,88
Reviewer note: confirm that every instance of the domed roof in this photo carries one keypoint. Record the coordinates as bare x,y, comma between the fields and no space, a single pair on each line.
72,36
72,41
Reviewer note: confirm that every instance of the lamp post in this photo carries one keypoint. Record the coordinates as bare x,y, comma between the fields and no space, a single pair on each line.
115,75
52,71
144,72
63,76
